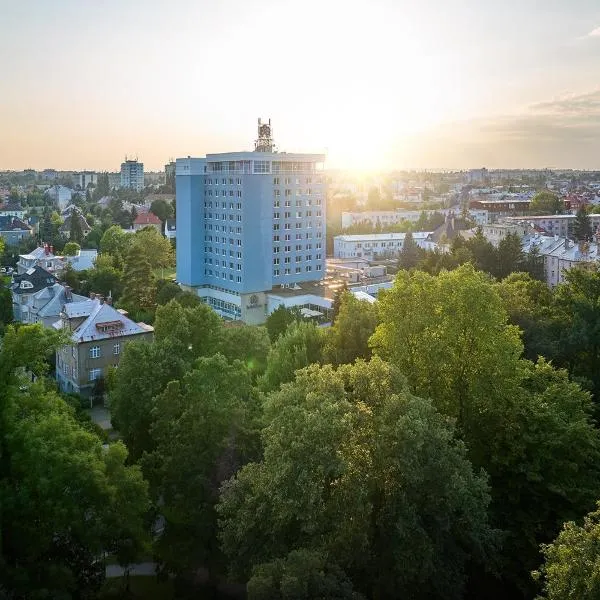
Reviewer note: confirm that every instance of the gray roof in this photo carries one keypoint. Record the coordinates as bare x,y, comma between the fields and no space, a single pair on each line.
37,276
98,313
50,300
83,260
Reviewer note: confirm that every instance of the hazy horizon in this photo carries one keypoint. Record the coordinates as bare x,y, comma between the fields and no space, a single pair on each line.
376,85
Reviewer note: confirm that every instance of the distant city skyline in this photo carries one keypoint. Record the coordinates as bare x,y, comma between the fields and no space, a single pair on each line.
383,84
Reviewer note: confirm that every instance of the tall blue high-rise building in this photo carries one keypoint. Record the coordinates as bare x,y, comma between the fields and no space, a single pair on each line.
249,222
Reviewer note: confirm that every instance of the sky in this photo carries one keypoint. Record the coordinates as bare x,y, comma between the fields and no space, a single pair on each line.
376,84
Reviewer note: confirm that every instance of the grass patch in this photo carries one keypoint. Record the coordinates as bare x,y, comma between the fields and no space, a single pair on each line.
167,274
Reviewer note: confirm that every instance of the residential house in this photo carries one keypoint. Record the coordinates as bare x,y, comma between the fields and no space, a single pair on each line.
60,194
42,256
147,219
65,228
13,230
98,335
12,209
561,254
170,229
38,297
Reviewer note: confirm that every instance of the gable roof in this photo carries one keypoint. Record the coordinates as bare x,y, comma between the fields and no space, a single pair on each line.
66,226
8,223
147,218
37,276
98,313
51,300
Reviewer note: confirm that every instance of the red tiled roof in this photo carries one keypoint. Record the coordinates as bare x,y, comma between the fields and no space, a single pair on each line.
147,219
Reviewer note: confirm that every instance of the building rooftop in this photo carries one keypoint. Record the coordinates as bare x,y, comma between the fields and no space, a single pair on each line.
38,278
102,321
381,237
147,218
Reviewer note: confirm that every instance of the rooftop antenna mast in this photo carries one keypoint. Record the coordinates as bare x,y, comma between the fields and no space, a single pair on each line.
264,143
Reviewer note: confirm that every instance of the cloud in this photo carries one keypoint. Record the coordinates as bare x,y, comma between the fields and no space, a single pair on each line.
562,132
594,32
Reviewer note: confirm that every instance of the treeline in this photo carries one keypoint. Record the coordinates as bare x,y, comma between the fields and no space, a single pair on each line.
421,447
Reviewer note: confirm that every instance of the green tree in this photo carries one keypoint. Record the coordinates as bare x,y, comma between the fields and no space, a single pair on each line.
191,332
582,227
249,344
533,264
300,575
509,256
104,278
358,469
301,345
280,319
115,242
337,301
449,334
139,288
65,500
162,209
577,303
546,203
348,338
197,425
157,249
166,291
6,307
75,230
144,372
71,249
572,562
484,254
410,253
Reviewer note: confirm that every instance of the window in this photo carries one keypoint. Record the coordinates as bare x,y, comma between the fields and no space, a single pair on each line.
288,192
276,227
275,238
275,272
95,352
298,214
298,203
318,267
275,180
276,261
117,348
286,226
286,272
308,268
287,249
95,374
276,204
298,269
276,215
287,260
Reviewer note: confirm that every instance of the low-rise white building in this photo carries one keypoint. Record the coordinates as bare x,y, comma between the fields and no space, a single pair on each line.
42,256
496,232
377,245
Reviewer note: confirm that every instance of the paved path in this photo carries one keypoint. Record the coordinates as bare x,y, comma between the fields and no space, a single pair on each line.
146,568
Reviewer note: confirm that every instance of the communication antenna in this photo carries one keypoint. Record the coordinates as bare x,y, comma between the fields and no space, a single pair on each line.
264,143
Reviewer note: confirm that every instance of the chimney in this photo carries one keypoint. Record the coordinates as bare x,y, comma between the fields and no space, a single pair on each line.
51,249
92,296
109,300
100,298
68,295
46,249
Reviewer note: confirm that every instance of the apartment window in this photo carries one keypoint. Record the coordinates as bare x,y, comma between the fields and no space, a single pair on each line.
116,348
276,215
298,269
299,225
238,279
276,204
276,272
287,203
288,193
95,374
287,181
298,258
287,237
275,180
287,272
276,249
95,352
308,268
298,203
318,267
287,249
239,255
275,238
287,214
287,226
276,227
309,257
298,247
276,193
298,235
276,261
298,214
287,260
318,256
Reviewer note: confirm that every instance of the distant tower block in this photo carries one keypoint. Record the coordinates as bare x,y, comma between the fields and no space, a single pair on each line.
264,143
